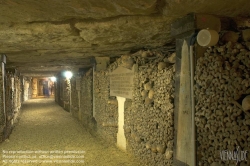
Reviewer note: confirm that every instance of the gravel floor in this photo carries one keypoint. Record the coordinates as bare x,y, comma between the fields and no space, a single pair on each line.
46,133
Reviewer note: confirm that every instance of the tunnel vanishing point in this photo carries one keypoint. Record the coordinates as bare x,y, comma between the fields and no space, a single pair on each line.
165,81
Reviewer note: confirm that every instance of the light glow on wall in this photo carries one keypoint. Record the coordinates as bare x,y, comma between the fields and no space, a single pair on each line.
53,79
68,74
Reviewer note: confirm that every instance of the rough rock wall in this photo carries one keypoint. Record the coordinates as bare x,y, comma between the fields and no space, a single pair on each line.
222,79
94,27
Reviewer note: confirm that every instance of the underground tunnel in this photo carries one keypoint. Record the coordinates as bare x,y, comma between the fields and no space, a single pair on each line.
125,83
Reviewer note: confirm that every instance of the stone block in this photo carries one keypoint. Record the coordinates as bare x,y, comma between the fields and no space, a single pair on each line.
246,35
230,36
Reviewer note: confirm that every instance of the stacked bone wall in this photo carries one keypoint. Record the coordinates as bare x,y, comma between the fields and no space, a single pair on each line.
12,104
222,81
86,100
149,117
106,113
63,92
18,91
74,105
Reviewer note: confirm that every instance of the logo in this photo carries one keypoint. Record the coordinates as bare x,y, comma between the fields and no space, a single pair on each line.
236,155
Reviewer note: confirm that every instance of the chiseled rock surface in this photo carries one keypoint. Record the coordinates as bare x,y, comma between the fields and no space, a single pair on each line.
56,10
42,34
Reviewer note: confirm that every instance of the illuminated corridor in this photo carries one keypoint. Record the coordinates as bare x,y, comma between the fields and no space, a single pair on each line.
46,126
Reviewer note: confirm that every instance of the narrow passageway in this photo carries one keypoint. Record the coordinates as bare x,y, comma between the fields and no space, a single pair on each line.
46,129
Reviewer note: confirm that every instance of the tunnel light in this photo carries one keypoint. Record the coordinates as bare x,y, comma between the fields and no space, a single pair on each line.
53,79
68,74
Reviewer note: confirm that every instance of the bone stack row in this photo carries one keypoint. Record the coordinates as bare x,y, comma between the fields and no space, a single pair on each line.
149,118
222,81
106,112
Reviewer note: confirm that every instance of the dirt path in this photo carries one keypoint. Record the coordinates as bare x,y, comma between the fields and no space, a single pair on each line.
46,131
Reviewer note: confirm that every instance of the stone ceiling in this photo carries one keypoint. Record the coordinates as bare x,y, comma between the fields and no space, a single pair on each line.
46,36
